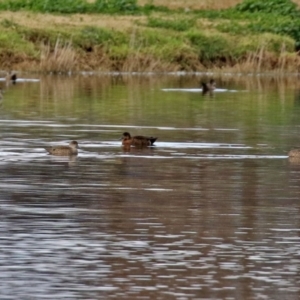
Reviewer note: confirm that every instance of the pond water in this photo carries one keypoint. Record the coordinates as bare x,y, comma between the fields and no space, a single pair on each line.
210,212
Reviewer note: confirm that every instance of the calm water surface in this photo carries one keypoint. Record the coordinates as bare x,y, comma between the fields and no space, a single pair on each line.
210,212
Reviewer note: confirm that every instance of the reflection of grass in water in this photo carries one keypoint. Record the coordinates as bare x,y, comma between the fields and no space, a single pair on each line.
140,101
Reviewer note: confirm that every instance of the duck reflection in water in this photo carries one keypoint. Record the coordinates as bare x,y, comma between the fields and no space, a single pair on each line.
71,150
138,150
64,161
1,97
208,88
138,141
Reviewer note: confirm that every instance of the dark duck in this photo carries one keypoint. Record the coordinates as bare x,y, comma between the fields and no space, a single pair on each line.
208,87
137,141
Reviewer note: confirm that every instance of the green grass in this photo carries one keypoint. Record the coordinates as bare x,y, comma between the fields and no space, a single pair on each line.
70,6
12,42
280,17
178,24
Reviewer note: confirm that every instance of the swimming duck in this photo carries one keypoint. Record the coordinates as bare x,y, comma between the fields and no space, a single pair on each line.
294,153
208,87
137,141
11,77
64,150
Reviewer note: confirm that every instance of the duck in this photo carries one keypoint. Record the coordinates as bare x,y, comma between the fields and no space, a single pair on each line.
11,77
137,141
294,153
208,87
70,150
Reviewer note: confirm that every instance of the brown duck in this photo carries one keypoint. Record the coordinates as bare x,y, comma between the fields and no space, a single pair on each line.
137,141
294,153
70,150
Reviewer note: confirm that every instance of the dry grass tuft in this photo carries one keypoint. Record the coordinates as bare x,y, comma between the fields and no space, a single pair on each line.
262,61
61,59
143,63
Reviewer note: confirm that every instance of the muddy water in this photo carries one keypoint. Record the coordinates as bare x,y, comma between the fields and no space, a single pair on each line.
210,212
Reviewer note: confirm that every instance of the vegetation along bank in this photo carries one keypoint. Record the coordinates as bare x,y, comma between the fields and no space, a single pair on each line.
150,35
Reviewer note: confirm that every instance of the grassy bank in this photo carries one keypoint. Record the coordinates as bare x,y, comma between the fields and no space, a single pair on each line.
158,35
